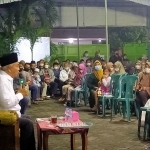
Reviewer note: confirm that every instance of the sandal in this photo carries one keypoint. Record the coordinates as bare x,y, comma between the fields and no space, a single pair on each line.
40,99
61,99
33,102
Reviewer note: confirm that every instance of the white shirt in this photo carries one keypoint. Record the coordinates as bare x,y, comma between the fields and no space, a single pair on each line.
106,82
64,75
8,99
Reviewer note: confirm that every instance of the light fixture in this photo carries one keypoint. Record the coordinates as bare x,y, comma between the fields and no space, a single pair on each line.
71,40
100,40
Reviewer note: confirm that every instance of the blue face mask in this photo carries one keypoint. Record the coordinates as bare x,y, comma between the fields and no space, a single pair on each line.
98,67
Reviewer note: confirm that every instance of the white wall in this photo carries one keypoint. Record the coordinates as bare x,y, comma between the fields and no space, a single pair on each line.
41,49
95,16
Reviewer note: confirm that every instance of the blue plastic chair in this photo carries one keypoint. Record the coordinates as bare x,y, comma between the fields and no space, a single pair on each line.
83,89
126,94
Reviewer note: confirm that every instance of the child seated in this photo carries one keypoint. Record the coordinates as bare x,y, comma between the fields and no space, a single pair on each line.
37,81
105,84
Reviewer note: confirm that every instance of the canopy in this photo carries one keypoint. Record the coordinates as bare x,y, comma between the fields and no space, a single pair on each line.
8,1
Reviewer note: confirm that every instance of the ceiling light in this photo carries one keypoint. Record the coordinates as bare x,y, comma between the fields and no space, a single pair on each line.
71,40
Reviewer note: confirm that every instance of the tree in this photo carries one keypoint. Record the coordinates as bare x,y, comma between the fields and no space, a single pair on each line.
119,36
29,19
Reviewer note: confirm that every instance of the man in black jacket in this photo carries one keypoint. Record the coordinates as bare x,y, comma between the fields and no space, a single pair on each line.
116,57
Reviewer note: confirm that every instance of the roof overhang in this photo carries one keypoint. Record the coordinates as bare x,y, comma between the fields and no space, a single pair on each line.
8,1
143,2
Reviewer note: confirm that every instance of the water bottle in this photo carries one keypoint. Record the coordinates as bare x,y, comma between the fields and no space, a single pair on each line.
66,115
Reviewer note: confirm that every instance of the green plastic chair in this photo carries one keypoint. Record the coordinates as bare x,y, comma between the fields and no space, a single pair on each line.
114,90
146,123
84,90
126,94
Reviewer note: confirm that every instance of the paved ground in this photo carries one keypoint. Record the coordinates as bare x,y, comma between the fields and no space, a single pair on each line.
103,135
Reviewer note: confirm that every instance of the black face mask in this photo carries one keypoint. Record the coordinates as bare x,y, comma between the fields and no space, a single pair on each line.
26,69
21,69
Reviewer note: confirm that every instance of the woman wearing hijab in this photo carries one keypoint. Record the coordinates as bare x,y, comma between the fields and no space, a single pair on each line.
110,66
143,86
81,71
82,68
119,69
93,82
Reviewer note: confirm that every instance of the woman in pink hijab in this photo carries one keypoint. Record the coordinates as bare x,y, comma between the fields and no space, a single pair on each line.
82,69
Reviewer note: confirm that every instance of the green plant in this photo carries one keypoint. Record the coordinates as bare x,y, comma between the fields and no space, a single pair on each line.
30,19
118,36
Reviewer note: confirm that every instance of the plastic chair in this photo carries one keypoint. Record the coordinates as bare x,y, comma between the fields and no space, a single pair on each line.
83,89
126,94
146,123
114,90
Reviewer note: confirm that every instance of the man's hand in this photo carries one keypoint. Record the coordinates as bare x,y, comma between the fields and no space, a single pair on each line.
23,90
29,82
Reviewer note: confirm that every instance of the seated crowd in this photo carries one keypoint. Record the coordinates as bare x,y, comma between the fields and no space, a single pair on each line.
60,79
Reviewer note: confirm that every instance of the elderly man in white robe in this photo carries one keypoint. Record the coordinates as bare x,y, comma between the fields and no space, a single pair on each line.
9,100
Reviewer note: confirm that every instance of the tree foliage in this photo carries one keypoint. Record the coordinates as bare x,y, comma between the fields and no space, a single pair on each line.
30,19
119,36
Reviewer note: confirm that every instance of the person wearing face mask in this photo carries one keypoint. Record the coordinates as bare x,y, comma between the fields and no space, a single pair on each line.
76,84
32,66
89,66
143,86
138,67
29,80
48,77
110,66
85,56
115,57
98,56
64,74
103,64
56,70
93,83
41,64
37,81
119,69
74,63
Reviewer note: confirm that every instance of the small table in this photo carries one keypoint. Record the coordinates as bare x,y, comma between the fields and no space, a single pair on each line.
44,129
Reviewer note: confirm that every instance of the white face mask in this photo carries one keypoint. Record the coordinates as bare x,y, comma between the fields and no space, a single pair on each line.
41,65
86,55
55,68
88,64
138,67
67,68
116,69
46,66
147,70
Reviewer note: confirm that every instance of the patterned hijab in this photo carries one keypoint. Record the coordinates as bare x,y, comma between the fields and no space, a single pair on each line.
98,73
